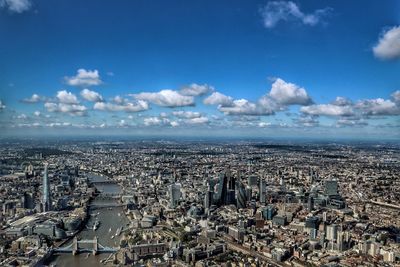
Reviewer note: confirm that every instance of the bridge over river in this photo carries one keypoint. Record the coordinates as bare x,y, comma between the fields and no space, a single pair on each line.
92,246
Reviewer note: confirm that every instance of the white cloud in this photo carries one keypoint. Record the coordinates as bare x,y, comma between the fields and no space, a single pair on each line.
2,106
396,97
276,11
22,116
151,121
264,124
217,98
174,123
118,99
186,114
199,120
91,95
84,78
16,6
342,101
33,99
67,97
388,46
307,121
166,98
378,106
245,107
72,109
37,113
350,122
327,110
287,93
139,105
196,90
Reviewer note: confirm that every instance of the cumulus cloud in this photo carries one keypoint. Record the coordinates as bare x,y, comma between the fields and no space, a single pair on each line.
22,116
35,98
186,114
348,122
388,46
217,98
72,109
137,106
166,98
378,106
263,124
196,89
396,97
307,121
16,6
287,93
37,113
342,101
198,120
174,123
67,97
2,106
245,107
151,121
327,110
84,78
91,95
276,11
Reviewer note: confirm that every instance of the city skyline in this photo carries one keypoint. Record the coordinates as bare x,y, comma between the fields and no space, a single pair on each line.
318,69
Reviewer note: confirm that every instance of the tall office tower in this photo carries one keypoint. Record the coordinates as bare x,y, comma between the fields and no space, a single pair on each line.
46,190
331,232
175,194
222,189
340,241
331,187
208,197
241,198
324,216
263,191
310,204
252,180
230,193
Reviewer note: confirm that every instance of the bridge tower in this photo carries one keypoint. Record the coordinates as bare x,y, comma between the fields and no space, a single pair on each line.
75,248
95,245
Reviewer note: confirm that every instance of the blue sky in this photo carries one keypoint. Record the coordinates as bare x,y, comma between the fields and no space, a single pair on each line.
245,68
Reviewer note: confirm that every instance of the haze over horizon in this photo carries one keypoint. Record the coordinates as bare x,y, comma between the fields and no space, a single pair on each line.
278,69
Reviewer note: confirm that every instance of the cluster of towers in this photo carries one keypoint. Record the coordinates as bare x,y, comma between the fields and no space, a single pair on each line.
228,190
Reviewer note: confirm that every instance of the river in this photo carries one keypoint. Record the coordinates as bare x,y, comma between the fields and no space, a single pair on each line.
108,219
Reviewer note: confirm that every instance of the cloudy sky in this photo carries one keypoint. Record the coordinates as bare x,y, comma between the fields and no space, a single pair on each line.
205,68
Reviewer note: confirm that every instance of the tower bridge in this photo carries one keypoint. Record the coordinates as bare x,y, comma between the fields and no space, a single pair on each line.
77,246
103,182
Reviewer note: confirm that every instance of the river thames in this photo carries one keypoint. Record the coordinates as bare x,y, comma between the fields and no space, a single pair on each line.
110,220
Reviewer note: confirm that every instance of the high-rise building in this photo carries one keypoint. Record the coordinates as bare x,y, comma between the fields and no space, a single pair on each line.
263,191
241,198
46,202
208,198
252,180
331,232
310,204
175,194
331,188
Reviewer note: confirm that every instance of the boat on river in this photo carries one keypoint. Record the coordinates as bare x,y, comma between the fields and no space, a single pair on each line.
96,225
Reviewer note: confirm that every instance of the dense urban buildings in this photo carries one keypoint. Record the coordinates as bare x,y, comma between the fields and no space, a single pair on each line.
199,203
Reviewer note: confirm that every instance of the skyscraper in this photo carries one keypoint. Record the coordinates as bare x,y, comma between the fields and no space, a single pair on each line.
263,191
175,194
331,187
46,190
241,198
